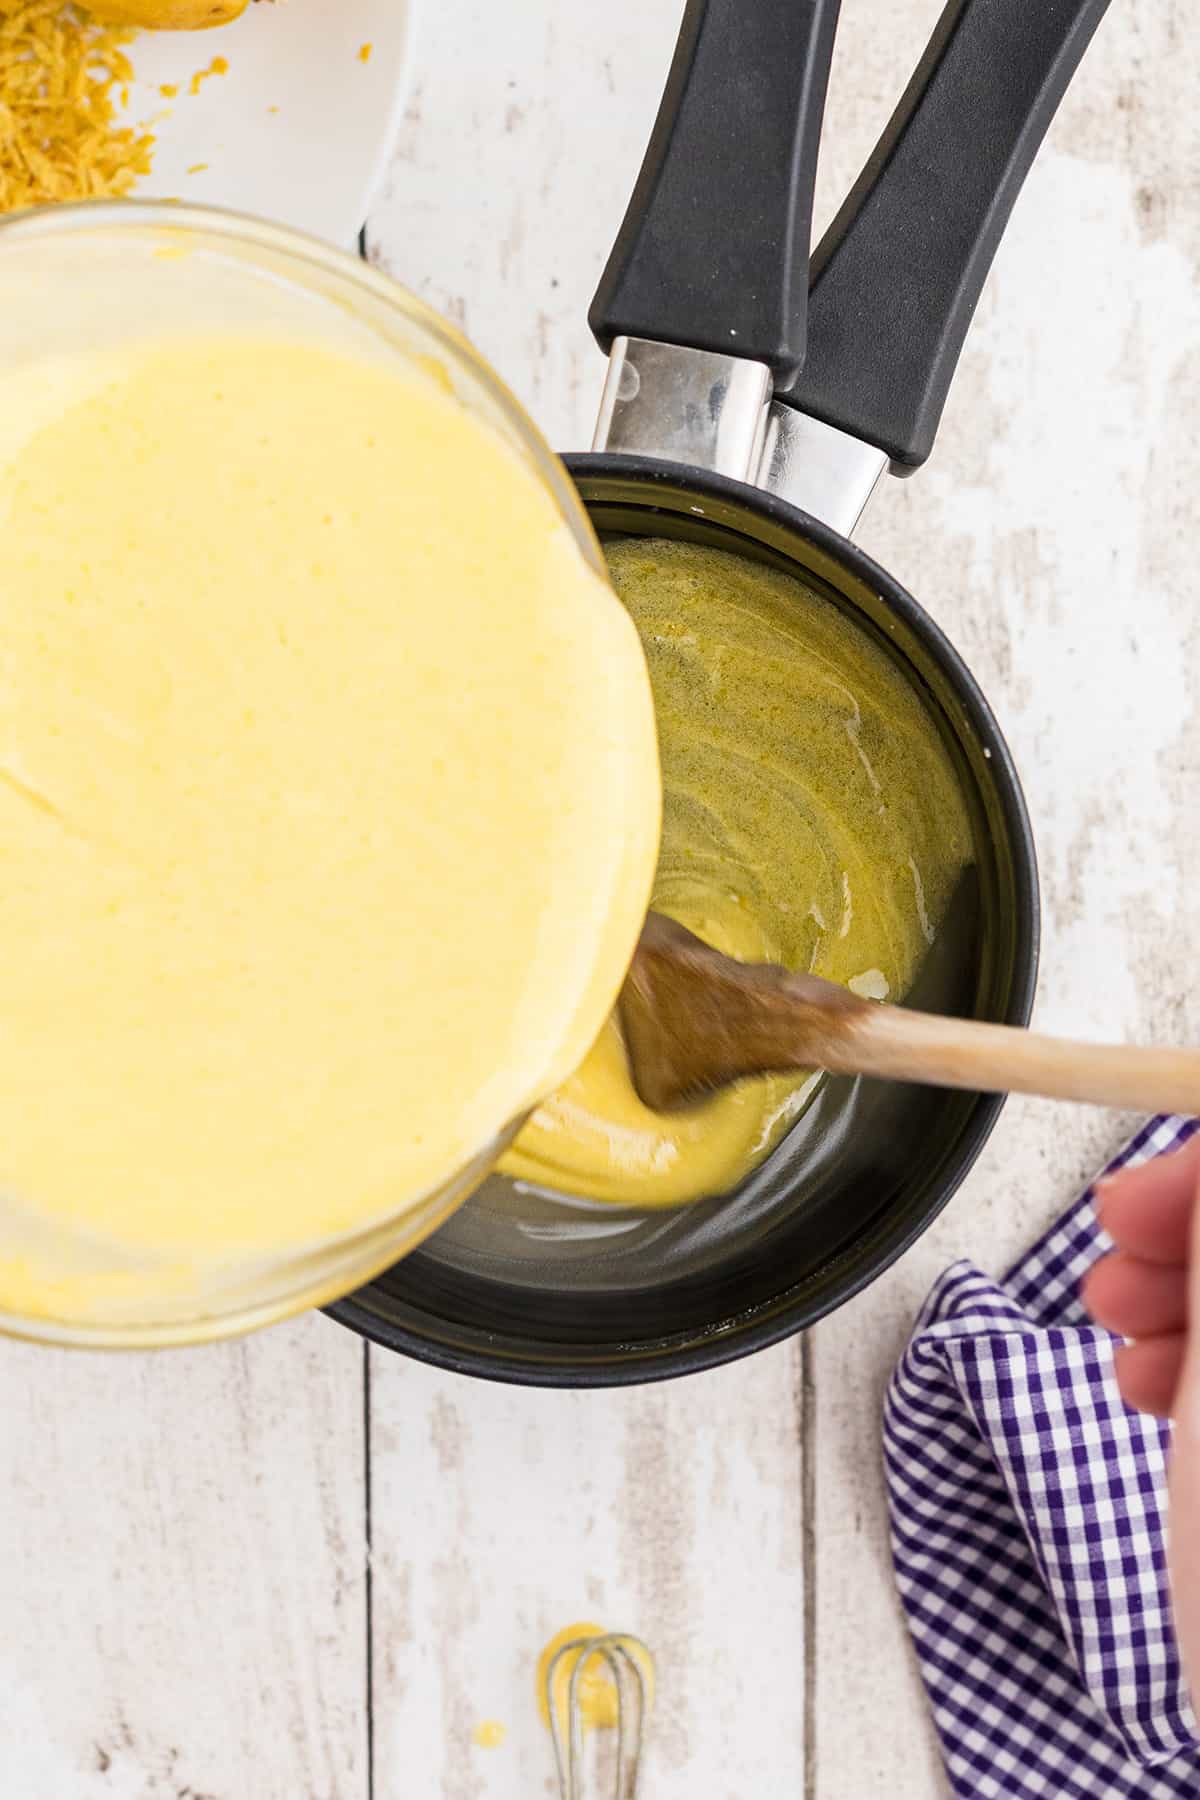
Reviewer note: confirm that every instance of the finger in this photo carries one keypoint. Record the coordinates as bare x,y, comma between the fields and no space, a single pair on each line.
1185,1488
1148,1373
1188,1398
1136,1298
1148,1210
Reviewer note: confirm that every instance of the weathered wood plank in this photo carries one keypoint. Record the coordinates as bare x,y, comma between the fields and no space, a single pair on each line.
182,1572
1053,535
501,1515
524,133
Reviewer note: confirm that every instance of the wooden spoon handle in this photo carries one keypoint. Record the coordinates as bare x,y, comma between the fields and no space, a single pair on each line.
961,1053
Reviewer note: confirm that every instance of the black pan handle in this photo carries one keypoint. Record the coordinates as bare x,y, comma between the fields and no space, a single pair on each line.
896,279
714,249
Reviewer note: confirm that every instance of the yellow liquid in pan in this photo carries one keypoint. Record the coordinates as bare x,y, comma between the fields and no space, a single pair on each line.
812,818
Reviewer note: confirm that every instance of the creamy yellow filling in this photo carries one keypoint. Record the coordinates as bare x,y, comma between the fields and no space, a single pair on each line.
328,802
812,818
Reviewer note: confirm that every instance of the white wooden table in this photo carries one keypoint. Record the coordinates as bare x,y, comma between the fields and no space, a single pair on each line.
292,1570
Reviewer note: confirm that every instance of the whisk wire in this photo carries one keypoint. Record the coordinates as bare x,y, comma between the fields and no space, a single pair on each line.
619,1653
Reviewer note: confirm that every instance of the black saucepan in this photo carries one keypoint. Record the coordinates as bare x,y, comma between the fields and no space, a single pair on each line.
753,402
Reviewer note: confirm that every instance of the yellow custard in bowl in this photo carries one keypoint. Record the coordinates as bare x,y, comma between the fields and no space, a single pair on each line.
329,796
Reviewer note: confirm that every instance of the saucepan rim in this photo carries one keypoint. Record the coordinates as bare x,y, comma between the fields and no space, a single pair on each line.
493,1356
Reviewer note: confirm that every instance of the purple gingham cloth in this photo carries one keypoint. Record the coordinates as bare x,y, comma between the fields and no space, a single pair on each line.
1027,1508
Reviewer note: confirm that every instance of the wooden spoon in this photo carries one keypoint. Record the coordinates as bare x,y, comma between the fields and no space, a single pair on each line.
695,1021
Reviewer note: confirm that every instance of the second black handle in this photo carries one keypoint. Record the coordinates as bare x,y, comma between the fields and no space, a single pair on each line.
897,277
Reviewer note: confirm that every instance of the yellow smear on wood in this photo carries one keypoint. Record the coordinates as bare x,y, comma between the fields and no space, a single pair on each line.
489,1734
596,1693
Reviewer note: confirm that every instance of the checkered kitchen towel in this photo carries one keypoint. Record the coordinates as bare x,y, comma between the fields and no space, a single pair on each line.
1027,1510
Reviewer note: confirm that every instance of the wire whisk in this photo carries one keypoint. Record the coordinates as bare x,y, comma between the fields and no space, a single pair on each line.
626,1660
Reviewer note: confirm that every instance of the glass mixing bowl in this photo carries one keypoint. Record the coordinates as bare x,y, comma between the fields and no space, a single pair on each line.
253,268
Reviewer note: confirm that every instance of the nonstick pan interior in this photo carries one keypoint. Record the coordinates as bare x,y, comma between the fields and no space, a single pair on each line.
523,1287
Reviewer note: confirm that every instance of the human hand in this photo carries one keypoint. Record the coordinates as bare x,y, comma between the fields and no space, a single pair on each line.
1148,1290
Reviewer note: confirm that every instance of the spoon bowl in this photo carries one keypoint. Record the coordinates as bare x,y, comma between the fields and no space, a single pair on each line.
696,1021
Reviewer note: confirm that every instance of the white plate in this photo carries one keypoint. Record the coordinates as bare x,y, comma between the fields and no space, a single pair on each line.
300,128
